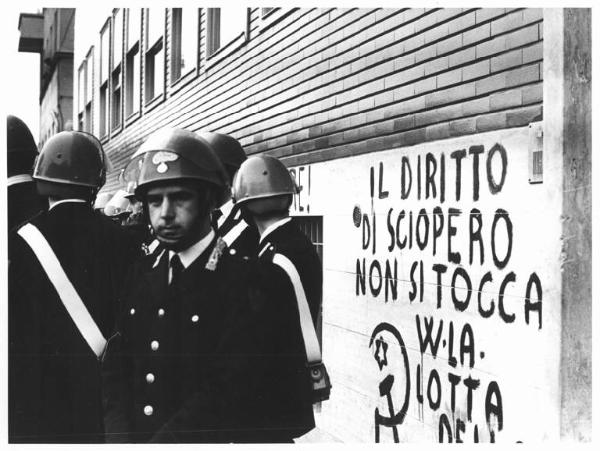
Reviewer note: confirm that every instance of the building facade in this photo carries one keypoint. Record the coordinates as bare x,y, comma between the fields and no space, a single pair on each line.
51,35
444,161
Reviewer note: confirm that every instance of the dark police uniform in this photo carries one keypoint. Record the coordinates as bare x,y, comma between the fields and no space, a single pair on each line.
54,377
288,239
216,356
23,201
237,233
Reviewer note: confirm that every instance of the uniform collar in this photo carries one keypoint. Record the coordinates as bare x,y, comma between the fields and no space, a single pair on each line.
274,226
64,201
225,211
189,255
20,178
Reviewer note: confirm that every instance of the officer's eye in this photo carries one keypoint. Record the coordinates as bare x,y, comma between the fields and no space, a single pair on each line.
182,196
154,200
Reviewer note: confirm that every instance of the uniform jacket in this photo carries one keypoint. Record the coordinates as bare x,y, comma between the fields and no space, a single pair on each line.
288,240
246,243
218,357
236,232
24,203
54,377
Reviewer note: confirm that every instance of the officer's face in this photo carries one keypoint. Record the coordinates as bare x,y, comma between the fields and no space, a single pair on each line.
179,214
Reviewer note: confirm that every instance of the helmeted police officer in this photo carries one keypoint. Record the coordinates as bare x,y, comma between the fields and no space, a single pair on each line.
206,350
23,200
101,200
263,189
118,208
67,267
228,221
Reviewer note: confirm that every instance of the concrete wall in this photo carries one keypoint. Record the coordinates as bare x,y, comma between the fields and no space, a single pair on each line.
56,108
410,257
576,343
49,123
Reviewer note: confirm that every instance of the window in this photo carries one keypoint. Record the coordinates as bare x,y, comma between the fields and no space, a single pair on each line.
56,31
264,12
225,26
81,75
132,62
271,16
154,76
185,42
117,58
104,71
89,85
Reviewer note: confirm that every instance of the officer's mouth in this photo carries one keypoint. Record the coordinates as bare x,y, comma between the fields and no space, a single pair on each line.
169,233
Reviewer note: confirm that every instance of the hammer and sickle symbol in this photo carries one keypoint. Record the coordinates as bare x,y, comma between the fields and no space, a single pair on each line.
385,386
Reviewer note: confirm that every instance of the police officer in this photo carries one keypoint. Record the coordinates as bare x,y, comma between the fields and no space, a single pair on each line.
230,225
23,200
101,200
263,189
118,207
67,267
207,350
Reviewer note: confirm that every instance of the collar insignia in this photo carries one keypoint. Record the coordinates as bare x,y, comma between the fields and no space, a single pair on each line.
161,158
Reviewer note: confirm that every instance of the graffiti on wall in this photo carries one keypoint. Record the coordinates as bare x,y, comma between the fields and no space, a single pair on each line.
437,256
302,178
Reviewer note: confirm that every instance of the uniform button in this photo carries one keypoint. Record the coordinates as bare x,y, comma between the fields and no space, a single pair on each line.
195,318
148,410
161,312
154,345
232,251
149,378
132,311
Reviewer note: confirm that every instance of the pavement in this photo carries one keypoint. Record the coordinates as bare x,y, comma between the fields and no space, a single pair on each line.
317,436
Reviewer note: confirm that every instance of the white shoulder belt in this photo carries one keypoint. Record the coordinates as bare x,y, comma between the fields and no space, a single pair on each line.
65,289
313,350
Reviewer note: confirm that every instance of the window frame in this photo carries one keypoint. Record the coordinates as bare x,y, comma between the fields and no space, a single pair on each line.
151,50
265,14
88,106
81,93
131,49
175,48
116,75
215,54
103,83
273,16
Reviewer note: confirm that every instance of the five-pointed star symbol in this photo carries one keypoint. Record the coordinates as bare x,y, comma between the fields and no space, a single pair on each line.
381,348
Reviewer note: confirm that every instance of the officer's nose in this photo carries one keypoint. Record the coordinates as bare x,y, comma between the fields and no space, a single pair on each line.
166,208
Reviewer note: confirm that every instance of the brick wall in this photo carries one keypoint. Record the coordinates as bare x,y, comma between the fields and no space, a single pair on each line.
319,84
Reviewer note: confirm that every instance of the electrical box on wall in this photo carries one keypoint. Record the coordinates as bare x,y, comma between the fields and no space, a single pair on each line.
536,152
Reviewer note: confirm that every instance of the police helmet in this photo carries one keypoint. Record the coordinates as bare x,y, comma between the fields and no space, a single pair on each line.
262,177
118,205
227,148
130,190
20,146
101,200
72,158
173,154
